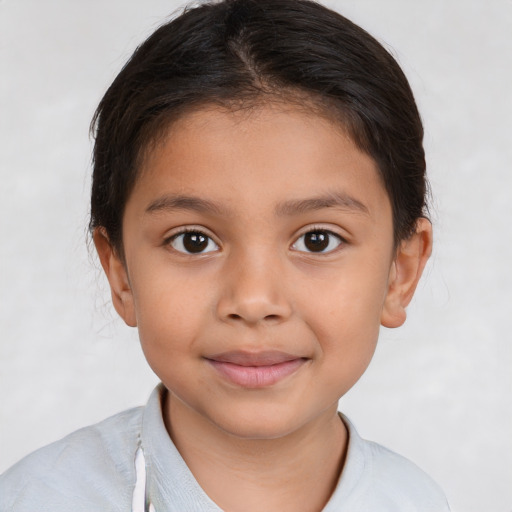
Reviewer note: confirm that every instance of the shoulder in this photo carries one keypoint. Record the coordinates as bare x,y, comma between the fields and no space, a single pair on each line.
380,479
90,468
401,481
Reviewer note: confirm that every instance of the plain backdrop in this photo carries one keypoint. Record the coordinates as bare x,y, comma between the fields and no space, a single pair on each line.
438,390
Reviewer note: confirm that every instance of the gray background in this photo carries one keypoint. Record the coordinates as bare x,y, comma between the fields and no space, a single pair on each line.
438,390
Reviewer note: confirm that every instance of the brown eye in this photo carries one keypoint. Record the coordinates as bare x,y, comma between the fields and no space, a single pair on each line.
317,241
193,242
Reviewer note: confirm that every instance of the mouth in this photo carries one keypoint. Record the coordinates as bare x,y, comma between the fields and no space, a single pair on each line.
256,370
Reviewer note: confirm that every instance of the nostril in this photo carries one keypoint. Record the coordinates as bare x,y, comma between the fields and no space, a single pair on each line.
253,309
269,318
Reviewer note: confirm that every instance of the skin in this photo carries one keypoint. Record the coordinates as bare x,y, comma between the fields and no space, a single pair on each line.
259,182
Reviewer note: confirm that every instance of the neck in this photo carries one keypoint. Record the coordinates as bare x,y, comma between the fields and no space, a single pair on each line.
298,471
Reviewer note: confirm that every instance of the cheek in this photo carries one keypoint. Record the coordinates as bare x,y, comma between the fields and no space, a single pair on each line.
171,311
347,314
347,337
169,322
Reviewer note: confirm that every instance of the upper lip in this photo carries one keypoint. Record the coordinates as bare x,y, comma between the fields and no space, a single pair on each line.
263,358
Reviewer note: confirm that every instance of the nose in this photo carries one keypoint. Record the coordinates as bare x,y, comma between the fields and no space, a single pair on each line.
253,292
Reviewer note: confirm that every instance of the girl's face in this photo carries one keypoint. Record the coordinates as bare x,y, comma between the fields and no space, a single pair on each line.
259,265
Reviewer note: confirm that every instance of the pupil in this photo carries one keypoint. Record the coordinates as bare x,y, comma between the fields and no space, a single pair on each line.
317,241
195,242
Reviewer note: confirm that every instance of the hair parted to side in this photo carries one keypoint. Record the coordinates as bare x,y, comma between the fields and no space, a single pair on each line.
238,53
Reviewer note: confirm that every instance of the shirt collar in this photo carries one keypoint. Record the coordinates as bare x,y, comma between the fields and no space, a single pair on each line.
171,487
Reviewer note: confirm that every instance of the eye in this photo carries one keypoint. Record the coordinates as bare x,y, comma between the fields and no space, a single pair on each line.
318,241
193,242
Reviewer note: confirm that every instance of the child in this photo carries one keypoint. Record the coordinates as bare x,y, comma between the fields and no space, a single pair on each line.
258,208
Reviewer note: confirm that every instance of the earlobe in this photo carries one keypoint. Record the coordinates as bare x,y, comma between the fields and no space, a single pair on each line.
407,267
115,270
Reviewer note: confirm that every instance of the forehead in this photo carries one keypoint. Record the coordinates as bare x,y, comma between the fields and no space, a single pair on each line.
257,157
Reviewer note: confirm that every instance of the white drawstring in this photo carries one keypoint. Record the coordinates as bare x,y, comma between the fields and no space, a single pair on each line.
139,492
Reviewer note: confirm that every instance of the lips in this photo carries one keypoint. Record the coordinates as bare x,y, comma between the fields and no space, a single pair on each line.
255,370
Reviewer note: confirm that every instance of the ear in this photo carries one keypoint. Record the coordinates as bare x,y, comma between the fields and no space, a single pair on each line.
115,269
406,269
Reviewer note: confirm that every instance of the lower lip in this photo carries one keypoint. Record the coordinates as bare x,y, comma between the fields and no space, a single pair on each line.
256,376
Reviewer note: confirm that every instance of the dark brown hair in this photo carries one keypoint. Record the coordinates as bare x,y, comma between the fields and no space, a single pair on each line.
237,52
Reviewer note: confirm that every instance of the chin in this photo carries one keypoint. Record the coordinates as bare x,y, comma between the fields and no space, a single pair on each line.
259,422
257,430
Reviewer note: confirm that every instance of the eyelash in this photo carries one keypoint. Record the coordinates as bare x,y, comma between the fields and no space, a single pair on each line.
183,250
327,233
327,236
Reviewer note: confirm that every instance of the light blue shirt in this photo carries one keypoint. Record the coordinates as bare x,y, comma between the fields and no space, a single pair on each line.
93,469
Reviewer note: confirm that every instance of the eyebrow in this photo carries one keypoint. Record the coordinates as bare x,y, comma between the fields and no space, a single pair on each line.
182,202
338,200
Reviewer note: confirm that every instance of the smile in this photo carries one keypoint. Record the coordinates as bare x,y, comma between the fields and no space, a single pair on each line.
257,370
